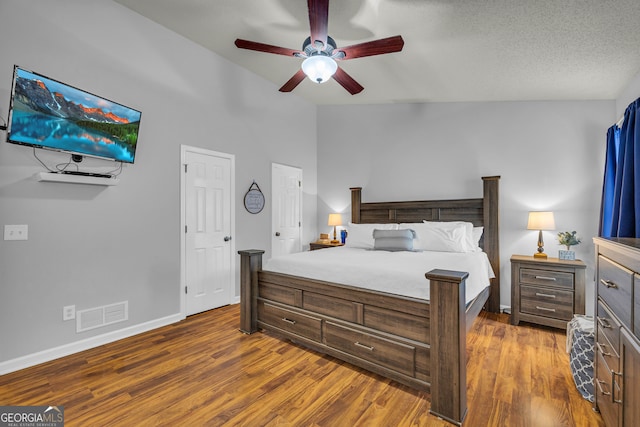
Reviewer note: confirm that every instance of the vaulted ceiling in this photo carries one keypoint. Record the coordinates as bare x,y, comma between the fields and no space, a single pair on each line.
455,50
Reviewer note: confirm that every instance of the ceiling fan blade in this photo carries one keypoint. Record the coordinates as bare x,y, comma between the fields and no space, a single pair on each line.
318,20
293,81
375,47
347,82
261,47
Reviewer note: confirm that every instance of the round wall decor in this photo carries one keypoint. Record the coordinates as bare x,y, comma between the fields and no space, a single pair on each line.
254,199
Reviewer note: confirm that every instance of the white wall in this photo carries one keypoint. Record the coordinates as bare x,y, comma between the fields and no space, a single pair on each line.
90,245
629,93
550,156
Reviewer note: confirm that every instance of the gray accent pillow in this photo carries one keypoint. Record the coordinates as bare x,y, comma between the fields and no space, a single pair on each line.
393,240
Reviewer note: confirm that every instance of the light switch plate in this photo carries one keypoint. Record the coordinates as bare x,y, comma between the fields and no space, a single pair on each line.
16,232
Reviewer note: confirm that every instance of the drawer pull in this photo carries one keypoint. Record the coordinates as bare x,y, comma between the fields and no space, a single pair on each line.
613,383
553,310
553,279
366,347
599,384
609,284
603,322
601,349
538,294
292,322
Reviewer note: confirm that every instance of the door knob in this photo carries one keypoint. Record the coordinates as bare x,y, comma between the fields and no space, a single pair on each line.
227,238
277,234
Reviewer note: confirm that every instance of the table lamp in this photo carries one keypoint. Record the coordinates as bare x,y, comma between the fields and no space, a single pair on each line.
541,221
335,219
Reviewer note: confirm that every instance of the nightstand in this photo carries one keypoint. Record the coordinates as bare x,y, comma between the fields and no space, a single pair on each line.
546,291
321,245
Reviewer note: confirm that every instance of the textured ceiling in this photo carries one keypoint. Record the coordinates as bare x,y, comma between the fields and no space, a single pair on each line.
455,50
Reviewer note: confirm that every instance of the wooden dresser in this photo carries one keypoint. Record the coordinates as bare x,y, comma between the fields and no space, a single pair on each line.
546,291
617,355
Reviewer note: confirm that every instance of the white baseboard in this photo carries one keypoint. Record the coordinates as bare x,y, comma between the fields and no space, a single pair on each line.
77,346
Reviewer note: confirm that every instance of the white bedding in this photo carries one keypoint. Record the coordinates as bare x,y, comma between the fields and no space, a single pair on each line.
400,273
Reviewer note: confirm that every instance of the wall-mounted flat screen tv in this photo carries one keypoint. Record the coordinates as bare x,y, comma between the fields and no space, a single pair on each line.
46,113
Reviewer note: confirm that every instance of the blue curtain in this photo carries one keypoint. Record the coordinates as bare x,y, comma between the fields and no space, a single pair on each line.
620,208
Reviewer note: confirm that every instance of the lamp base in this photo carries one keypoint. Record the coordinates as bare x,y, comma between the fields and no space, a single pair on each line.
334,241
540,255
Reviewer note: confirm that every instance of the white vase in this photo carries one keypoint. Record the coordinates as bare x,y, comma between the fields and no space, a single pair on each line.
567,255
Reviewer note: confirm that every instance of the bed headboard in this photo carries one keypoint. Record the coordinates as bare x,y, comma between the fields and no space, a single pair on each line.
481,212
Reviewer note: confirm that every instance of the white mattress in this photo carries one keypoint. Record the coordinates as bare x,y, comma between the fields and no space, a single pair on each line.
400,273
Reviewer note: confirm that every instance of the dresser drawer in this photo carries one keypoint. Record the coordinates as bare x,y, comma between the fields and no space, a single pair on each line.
608,325
636,305
607,351
604,391
290,321
546,302
556,279
614,287
391,354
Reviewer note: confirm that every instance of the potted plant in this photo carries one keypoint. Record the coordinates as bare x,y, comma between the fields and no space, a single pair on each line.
568,239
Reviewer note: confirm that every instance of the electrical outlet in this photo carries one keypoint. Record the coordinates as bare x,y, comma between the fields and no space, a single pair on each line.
16,232
69,312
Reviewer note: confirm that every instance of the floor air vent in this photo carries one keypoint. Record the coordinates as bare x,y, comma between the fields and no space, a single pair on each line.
102,316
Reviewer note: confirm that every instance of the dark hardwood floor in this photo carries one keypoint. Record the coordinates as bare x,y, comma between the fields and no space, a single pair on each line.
204,372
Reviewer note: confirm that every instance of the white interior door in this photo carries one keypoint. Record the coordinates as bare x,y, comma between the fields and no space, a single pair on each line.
286,188
208,245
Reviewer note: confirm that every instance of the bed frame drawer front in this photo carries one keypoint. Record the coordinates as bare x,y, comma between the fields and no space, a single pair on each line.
614,288
390,354
330,306
547,302
282,294
397,323
290,321
557,279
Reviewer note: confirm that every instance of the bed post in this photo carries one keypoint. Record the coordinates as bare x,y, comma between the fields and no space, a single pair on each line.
356,200
250,264
448,344
491,245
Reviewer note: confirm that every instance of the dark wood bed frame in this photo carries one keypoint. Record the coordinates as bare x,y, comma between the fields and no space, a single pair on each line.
421,344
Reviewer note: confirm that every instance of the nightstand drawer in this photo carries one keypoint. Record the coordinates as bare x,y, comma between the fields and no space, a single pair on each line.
556,279
546,302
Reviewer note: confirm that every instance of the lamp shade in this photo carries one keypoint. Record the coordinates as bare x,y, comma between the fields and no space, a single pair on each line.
319,68
541,221
335,219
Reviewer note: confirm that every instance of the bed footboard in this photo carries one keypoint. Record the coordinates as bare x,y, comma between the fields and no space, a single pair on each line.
439,343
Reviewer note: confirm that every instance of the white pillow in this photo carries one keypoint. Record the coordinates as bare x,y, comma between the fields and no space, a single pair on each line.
477,235
361,235
470,244
452,236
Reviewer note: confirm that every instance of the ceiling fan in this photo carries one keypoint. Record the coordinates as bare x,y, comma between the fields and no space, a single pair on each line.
320,52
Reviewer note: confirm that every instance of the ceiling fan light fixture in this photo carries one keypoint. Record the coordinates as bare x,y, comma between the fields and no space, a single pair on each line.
319,68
